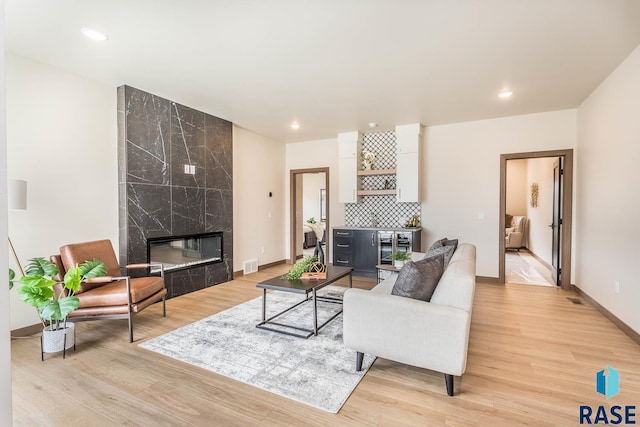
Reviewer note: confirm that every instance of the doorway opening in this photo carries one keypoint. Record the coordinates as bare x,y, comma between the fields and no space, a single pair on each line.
309,213
536,217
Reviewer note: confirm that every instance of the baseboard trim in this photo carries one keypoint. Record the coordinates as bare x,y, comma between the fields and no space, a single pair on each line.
27,331
543,262
489,280
635,336
272,264
240,273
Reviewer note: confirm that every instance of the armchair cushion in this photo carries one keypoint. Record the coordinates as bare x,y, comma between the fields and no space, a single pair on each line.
115,293
77,253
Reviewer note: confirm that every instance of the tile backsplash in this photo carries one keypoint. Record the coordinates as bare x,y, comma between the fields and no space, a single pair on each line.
380,211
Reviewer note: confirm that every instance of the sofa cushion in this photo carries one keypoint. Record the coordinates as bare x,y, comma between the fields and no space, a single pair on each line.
418,280
446,251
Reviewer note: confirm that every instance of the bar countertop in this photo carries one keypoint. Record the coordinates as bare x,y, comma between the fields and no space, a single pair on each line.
347,227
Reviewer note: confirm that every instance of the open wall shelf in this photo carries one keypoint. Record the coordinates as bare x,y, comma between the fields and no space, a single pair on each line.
376,192
376,172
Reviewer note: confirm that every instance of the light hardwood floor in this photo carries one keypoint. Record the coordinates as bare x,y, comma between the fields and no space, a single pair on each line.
533,355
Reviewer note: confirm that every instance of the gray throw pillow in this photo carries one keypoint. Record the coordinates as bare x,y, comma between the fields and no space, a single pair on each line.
452,242
446,251
437,244
418,280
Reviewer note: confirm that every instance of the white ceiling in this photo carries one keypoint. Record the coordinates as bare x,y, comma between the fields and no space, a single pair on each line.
335,65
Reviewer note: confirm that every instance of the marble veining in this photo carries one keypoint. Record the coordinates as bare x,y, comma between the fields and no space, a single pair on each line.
156,139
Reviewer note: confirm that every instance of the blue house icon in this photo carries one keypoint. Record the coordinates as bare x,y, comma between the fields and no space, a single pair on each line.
608,384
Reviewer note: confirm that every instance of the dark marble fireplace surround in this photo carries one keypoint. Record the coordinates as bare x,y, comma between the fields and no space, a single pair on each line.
159,196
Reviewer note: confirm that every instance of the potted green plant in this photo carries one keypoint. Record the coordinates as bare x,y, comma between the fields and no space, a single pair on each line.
12,278
301,267
53,308
399,258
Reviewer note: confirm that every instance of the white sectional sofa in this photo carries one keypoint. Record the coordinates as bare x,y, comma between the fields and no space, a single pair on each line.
432,335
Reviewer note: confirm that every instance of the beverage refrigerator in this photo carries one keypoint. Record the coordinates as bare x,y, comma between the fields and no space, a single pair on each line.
396,241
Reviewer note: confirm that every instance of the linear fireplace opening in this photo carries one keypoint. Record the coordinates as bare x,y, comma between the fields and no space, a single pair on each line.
180,252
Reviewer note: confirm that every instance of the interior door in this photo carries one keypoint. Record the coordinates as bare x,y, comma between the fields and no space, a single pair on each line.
556,225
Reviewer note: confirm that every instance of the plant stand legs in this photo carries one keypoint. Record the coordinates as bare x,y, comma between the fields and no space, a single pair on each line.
64,345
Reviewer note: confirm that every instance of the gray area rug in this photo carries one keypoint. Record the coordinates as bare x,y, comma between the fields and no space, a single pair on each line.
318,371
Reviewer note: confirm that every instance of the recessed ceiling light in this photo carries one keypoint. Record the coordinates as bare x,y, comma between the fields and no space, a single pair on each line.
94,35
373,125
505,94
295,125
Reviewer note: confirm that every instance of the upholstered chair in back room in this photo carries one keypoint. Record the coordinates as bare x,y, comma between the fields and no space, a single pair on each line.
516,233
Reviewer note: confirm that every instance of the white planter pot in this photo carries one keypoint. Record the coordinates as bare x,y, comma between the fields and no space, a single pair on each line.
61,339
398,264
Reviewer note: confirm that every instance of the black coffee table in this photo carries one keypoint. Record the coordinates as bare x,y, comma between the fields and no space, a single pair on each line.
306,287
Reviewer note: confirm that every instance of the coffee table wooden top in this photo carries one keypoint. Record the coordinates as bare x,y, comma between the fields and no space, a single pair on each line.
305,286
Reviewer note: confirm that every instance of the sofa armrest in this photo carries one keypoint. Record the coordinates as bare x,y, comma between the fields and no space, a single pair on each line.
405,330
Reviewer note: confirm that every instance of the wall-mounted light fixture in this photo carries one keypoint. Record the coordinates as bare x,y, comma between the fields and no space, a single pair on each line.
16,201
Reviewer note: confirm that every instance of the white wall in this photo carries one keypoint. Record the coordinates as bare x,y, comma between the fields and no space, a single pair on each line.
61,139
608,208
461,175
316,154
5,328
517,187
540,171
258,220
312,183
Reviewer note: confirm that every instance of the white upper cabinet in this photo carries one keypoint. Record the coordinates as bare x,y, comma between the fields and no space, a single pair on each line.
408,163
408,138
349,146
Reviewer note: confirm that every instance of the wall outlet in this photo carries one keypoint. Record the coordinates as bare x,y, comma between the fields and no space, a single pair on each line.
616,286
262,249
189,169
402,220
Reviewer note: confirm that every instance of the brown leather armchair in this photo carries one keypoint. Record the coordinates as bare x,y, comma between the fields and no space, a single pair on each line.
112,296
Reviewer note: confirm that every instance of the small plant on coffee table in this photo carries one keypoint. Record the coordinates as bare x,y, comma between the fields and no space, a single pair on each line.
302,267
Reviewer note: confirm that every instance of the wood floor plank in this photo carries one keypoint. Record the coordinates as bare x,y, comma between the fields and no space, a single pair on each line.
533,355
